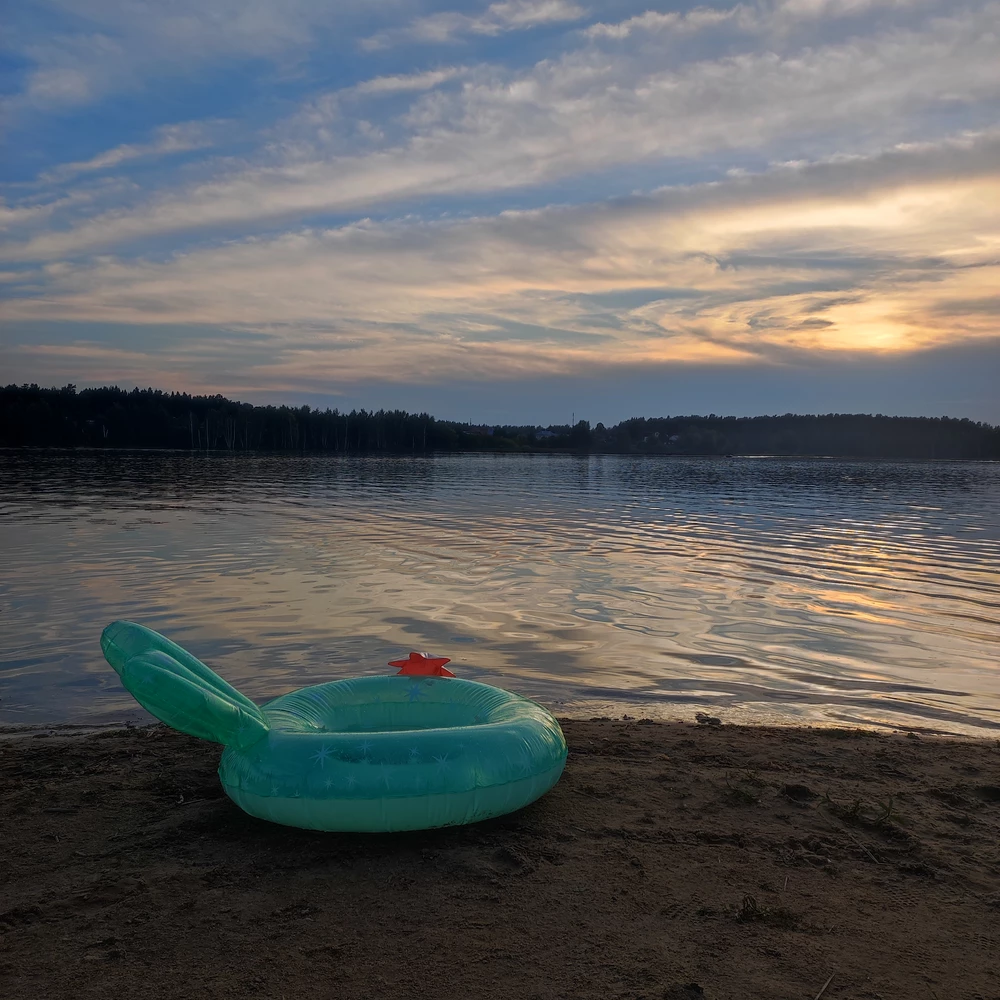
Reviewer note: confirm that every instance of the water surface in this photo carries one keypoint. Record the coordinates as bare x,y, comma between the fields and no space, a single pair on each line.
808,591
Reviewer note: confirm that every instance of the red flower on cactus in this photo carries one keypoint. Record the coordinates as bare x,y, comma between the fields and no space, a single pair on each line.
421,664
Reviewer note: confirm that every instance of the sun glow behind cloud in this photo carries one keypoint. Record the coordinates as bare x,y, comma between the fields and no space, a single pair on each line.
785,183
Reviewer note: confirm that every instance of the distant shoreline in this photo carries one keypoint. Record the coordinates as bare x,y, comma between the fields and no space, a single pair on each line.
112,418
125,450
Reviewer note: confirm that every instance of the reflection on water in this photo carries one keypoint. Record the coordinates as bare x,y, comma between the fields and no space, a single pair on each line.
762,590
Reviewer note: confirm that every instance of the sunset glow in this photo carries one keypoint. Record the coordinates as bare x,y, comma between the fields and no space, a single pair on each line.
325,203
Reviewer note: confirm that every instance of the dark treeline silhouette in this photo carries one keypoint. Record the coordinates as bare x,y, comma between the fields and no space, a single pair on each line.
31,416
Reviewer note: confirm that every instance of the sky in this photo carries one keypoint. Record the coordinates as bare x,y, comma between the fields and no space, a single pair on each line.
522,212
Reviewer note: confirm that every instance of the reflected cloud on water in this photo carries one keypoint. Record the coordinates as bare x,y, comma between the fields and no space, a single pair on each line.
795,590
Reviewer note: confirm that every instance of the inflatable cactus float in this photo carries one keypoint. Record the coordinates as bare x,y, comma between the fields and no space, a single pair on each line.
415,750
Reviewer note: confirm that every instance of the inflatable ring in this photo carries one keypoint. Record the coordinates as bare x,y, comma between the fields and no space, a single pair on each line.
367,754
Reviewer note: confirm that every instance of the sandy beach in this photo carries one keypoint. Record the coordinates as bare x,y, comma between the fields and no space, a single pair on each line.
672,861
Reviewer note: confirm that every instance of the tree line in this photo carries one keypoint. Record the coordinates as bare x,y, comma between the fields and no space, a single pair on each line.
110,417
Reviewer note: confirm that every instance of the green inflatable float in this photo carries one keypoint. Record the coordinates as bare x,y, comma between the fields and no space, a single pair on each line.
412,751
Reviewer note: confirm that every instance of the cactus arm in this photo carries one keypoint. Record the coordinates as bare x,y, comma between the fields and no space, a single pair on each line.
179,689
181,699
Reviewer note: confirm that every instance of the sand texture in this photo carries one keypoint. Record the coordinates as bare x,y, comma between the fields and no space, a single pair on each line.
673,861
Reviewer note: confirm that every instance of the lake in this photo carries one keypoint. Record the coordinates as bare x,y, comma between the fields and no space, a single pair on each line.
755,589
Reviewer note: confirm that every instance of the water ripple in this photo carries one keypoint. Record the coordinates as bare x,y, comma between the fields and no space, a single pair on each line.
776,590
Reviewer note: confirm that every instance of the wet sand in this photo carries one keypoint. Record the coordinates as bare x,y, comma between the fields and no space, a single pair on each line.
672,861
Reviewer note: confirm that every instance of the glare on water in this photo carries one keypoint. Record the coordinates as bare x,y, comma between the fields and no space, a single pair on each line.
787,590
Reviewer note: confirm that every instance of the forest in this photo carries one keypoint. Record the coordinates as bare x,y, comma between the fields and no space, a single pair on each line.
111,417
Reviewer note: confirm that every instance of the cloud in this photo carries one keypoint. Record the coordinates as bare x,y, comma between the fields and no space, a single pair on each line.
19,214
655,22
856,256
69,70
587,112
408,82
116,46
167,139
498,18
38,208
772,19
